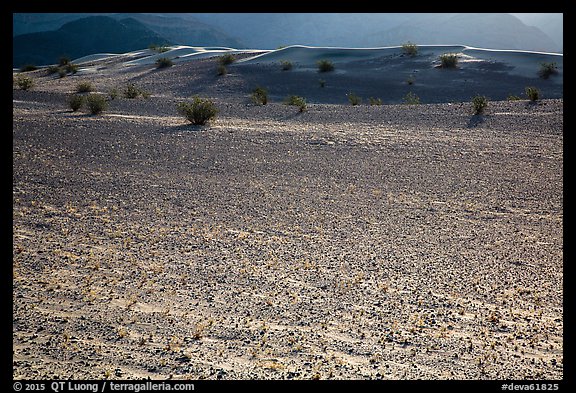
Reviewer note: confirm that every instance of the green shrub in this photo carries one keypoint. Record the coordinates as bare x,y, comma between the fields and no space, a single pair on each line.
375,101
199,112
512,97
298,101
52,69
260,96
113,93
411,99
322,82
158,48
479,104
76,101
532,93
222,70
64,60
97,103
24,82
547,69
164,62
286,65
449,60
28,68
353,99
84,87
71,68
325,66
410,49
132,91
226,59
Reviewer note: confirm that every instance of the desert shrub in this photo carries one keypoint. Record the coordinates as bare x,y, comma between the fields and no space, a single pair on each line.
410,49
71,68
325,66
411,99
411,80
226,59
62,72
96,103
512,97
547,69
322,82
479,104
28,68
132,91
298,101
24,82
64,60
353,99
222,70
52,69
158,48
449,60
260,96
375,101
164,62
286,65
76,101
113,93
199,112
532,93
84,87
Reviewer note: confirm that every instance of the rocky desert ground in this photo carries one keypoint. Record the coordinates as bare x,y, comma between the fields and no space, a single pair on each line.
344,242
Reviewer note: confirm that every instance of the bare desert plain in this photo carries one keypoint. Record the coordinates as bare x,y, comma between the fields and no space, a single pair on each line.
385,241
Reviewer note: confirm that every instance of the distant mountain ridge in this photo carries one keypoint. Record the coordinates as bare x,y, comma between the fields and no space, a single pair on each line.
77,35
82,37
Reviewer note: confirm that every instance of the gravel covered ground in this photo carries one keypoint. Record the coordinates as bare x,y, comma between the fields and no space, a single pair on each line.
381,242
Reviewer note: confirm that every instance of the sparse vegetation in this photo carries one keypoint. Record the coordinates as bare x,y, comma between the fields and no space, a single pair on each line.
411,99
198,112
325,66
226,59
411,80
222,70
322,82
52,69
24,82
113,93
532,93
76,101
96,103
449,60
71,68
512,97
260,96
64,60
28,68
375,101
132,91
479,104
286,65
298,101
547,70
158,48
410,49
164,62
84,87
353,99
